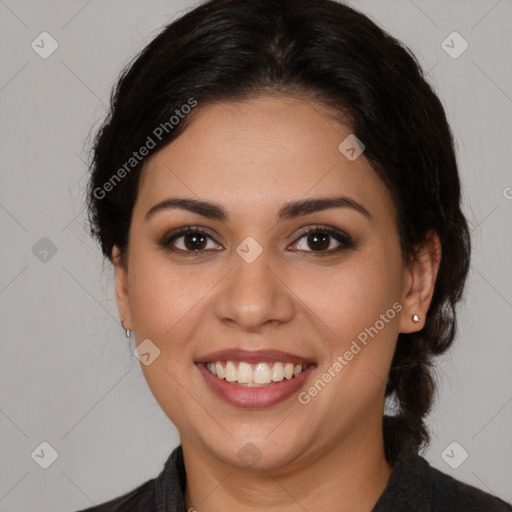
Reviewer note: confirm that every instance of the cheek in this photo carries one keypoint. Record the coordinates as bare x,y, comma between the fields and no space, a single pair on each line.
357,311
351,298
165,298
166,309
356,308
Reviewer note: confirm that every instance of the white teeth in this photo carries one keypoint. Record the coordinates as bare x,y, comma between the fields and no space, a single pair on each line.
220,370
262,374
230,372
278,372
255,375
244,373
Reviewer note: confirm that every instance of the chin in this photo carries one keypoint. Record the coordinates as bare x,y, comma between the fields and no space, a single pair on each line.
259,451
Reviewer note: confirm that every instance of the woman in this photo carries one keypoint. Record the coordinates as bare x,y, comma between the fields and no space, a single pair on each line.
277,189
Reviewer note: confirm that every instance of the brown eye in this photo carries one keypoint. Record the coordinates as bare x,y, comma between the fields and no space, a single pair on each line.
194,241
188,241
319,241
323,240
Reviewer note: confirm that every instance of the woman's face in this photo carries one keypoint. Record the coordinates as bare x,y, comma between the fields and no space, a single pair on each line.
255,282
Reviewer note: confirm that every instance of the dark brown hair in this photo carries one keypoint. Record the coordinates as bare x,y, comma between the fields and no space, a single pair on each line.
230,50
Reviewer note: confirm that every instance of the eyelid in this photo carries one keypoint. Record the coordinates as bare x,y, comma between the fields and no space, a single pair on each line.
321,228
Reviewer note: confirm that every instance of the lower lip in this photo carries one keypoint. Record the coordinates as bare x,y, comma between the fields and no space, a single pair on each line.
254,397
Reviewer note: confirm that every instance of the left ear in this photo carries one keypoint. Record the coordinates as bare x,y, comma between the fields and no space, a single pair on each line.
420,281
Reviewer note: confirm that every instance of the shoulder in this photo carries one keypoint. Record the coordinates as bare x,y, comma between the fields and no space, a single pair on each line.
138,500
164,492
416,485
450,494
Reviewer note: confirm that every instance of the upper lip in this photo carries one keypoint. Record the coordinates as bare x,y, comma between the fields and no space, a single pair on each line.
253,356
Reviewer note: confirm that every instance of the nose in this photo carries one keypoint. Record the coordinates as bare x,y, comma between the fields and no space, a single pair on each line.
253,295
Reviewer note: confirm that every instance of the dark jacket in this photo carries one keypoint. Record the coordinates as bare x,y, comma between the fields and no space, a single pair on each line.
414,486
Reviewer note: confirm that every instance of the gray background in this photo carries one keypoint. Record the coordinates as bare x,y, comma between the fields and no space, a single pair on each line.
67,373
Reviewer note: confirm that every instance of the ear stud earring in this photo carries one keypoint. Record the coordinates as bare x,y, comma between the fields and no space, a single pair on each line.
415,318
127,331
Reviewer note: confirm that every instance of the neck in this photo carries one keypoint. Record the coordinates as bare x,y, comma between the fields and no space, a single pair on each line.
349,475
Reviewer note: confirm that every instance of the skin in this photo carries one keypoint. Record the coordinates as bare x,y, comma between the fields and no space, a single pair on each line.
252,157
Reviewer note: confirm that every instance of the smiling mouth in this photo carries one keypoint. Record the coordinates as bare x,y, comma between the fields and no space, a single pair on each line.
240,373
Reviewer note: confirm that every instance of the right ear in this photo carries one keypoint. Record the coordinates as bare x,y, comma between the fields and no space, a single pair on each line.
121,281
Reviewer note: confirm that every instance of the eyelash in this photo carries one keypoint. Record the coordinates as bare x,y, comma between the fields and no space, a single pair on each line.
344,239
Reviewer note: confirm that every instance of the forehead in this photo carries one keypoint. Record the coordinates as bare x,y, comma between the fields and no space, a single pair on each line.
254,155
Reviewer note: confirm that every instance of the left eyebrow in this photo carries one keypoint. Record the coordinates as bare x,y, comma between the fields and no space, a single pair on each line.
307,206
289,211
